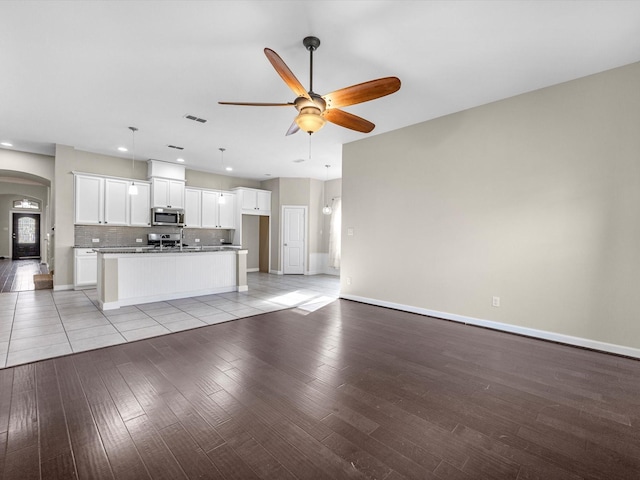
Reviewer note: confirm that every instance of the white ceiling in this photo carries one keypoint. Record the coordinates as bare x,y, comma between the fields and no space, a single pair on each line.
80,73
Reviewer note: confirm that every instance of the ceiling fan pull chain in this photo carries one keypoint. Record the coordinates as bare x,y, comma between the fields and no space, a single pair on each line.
309,147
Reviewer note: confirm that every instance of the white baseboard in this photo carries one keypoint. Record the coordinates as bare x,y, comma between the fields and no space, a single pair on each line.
505,327
63,287
276,272
249,270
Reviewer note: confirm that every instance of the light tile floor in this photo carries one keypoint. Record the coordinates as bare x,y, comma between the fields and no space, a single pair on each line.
40,324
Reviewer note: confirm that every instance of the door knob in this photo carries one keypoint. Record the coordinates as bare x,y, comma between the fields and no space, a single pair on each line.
285,245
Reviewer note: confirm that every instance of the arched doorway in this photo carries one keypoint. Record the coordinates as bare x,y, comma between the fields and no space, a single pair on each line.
24,224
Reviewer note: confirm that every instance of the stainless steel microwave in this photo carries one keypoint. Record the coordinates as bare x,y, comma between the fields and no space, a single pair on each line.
167,216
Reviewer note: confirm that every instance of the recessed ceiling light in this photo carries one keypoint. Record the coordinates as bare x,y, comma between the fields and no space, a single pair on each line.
229,169
299,160
123,149
181,160
6,144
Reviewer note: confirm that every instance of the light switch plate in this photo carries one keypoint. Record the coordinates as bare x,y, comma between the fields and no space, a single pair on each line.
95,240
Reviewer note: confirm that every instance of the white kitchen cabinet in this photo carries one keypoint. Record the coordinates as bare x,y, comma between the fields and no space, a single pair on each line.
192,208
116,201
217,213
106,201
89,199
141,206
253,201
85,271
167,193
227,211
209,209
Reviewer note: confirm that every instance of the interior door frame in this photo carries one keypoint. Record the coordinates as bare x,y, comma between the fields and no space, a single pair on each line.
305,270
11,212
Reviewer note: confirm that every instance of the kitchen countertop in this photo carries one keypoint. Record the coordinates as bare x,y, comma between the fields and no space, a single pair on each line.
149,249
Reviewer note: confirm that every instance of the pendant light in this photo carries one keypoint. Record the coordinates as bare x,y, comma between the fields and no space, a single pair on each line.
326,210
133,188
222,198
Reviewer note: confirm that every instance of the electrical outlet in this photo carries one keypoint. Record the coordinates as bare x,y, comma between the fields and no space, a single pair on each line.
496,301
138,240
197,240
348,280
95,240
350,232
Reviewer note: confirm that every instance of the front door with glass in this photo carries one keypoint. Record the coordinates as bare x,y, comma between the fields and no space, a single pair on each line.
26,235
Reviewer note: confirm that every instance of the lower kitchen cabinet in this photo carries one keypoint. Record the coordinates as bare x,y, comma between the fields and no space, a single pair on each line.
85,268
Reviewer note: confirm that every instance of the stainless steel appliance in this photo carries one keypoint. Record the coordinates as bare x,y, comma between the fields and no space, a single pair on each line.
167,216
164,239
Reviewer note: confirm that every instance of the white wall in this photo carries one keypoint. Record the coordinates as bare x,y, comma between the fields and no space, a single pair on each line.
535,199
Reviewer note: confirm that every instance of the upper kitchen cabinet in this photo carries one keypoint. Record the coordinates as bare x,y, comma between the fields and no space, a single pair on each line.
192,208
218,209
141,206
106,201
167,184
89,199
227,210
209,209
253,201
116,201
167,193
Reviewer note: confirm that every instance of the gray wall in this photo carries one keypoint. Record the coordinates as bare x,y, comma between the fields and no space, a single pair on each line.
535,199
251,239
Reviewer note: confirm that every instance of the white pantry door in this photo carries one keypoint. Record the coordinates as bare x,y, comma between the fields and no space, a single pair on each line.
293,247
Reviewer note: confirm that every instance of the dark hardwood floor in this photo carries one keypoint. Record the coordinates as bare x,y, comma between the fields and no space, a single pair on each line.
348,391
17,275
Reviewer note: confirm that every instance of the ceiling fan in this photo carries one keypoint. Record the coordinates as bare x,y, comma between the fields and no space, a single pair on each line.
313,109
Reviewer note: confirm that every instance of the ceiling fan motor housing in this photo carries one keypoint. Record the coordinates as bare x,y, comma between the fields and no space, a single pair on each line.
311,43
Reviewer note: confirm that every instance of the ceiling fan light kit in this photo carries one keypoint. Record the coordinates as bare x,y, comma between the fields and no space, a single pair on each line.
315,110
310,120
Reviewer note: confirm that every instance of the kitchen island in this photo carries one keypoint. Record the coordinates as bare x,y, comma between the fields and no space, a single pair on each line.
132,276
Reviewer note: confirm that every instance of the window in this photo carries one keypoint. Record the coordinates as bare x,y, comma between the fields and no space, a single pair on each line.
334,233
27,230
26,204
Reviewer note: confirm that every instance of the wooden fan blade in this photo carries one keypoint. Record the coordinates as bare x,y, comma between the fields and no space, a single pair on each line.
292,129
286,74
348,120
252,104
362,92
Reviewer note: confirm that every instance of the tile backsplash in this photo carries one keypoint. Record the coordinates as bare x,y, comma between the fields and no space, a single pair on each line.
126,236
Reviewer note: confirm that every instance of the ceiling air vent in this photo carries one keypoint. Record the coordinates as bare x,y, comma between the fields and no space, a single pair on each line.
176,147
195,119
